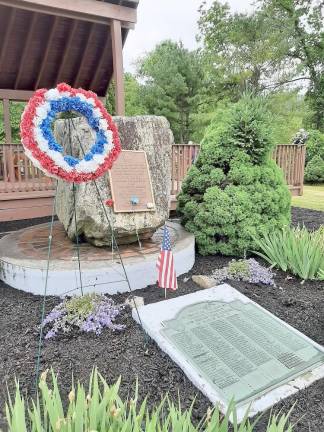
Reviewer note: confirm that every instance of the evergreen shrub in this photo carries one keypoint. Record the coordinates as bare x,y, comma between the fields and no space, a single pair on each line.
314,172
235,191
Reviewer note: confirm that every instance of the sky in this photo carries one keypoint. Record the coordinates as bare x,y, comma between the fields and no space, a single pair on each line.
167,19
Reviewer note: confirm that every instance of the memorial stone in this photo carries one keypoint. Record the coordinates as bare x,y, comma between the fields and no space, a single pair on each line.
233,349
151,136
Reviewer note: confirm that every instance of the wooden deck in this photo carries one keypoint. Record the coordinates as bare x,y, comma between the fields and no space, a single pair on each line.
26,193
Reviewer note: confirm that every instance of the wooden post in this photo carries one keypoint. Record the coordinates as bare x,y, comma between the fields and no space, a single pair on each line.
6,121
8,156
117,50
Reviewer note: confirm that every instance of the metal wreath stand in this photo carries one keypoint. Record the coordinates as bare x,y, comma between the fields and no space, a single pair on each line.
115,248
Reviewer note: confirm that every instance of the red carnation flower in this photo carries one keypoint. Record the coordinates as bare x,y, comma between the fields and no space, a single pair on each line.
109,202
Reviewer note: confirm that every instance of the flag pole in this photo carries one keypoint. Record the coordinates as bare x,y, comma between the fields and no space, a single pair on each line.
165,290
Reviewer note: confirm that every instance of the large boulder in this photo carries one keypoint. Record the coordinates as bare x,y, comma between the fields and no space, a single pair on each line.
149,133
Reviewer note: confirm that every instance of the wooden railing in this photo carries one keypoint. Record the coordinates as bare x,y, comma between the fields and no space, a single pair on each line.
289,157
25,192
17,173
183,156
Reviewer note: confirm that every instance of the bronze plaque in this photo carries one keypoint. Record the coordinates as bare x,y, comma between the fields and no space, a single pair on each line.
130,183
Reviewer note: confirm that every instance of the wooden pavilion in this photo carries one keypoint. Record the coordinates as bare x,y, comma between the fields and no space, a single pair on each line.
42,43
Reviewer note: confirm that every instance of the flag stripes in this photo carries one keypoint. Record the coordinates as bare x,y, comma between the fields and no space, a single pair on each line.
166,271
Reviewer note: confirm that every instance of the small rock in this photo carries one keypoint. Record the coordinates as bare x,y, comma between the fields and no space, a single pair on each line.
134,301
204,281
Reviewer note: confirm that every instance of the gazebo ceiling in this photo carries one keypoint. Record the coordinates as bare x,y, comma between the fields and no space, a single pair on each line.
43,43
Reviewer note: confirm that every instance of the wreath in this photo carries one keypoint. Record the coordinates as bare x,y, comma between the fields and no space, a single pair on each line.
47,154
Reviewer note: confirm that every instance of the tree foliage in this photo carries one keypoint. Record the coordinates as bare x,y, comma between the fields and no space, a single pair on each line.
172,78
242,47
314,172
303,21
16,110
235,190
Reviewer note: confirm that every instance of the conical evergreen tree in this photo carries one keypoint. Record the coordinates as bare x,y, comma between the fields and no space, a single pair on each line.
235,190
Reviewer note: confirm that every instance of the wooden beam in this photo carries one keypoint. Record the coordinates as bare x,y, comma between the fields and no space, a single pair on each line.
96,76
66,51
117,50
47,50
25,53
85,54
7,36
77,9
16,95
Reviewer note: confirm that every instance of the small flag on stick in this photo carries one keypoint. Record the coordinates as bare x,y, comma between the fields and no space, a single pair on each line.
167,277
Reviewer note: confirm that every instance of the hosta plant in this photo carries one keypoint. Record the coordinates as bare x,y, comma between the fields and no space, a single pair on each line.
295,250
88,313
101,409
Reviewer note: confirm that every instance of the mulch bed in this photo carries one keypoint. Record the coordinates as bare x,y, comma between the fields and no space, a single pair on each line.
124,353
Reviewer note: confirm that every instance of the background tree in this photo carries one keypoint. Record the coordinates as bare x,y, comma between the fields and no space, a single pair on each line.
133,100
172,78
280,44
16,110
244,50
303,21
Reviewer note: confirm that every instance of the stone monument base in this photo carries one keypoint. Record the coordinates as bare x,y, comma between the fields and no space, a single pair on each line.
23,262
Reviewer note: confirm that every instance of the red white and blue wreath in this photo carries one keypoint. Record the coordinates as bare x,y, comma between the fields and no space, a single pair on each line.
47,154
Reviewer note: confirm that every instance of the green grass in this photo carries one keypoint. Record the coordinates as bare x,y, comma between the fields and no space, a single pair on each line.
313,198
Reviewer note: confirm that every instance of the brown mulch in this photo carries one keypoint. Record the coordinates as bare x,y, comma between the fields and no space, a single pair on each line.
124,353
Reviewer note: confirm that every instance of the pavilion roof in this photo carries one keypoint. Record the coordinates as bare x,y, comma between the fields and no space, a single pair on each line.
44,42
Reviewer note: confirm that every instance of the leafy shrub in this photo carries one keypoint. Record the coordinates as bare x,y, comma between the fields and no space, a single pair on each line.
245,270
101,409
88,313
235,189
321,274
314,145
294,249
314,172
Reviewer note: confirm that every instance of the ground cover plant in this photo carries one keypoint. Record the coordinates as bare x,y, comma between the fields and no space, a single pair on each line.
88,313
235,190
245,270
296,250
101,409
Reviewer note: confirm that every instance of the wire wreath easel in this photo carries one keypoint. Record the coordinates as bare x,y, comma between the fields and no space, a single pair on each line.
48,155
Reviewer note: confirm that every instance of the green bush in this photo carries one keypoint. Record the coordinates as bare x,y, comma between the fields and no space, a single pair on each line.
295,249
235,190
314,171
100,409
314,145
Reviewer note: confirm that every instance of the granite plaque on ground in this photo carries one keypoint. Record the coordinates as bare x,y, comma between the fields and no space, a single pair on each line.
130,183
231,348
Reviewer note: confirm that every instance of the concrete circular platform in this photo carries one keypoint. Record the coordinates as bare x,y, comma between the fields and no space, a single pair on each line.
23,261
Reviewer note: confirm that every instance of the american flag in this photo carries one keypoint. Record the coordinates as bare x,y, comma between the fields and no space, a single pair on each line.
167,277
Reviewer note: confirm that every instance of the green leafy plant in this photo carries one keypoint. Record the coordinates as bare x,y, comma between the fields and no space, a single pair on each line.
235,189
89,313
101,409
294,249
314,172
239,268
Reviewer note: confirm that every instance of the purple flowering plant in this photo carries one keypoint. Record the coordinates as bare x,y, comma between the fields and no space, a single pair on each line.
88,313
245,270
